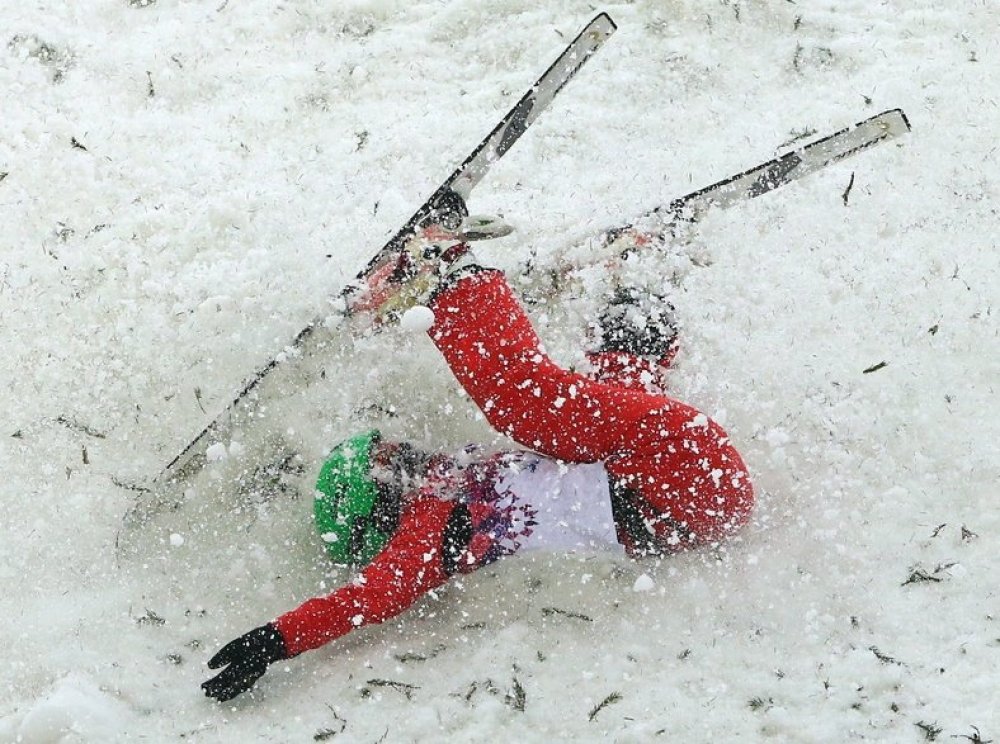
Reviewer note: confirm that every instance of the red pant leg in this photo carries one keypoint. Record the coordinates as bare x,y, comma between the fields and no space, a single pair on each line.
625,370
492,349
679,461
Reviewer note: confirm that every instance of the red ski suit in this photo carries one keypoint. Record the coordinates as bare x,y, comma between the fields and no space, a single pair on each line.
679,465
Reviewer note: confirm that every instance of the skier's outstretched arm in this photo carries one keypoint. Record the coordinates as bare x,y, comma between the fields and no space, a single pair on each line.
421,556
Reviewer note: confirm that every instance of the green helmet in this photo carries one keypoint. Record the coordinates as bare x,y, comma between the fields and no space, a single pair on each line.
349,508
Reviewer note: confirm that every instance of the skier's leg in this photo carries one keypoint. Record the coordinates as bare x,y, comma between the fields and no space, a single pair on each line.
666,458
493,351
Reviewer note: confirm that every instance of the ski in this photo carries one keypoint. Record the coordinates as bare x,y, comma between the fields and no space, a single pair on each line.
784,169
446,206
773,174
659,225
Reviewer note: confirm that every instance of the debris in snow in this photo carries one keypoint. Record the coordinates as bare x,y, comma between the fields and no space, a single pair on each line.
611,699
516,697
359,28
413,656
847,192
919,575
402,687
968,534
327,733
976,737
30,46
75,425
549,611
150,618
129,486
931,730
467,695
798,134
884,658
874,368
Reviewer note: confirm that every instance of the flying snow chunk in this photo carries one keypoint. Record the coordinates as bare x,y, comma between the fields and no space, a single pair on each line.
643,584
176,539
700,421
418,319
216,452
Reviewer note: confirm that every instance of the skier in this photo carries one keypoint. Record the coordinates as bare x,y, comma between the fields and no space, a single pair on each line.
610,459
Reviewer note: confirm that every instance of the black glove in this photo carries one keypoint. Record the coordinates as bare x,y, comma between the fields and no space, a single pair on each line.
248,657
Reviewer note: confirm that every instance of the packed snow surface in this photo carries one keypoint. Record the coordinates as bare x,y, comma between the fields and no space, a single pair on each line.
184,185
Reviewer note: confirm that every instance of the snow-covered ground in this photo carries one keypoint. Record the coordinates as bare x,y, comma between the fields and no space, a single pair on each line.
183,184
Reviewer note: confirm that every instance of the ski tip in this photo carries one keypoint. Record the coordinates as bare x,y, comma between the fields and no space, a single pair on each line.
606,19
899,114
905,118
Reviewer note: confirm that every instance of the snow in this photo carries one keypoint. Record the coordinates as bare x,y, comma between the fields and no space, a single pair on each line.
417,319
186,183
643,584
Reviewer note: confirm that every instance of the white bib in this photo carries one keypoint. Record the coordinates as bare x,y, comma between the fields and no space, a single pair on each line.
571,504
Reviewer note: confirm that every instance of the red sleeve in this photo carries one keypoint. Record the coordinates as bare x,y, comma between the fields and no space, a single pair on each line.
410,565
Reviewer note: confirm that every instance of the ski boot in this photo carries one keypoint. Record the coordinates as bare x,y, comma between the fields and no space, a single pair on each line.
408,277
637,341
